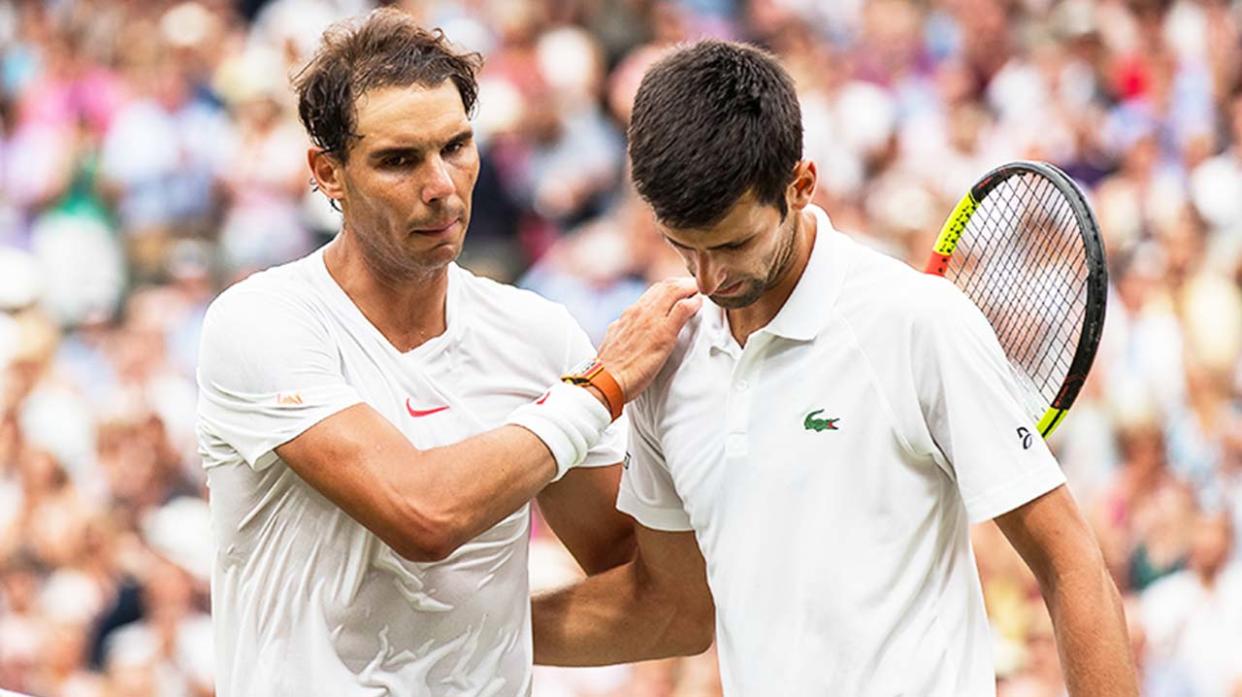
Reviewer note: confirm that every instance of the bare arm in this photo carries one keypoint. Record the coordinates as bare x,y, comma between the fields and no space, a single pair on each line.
655,606
426,503
1056,543
581,510
423,504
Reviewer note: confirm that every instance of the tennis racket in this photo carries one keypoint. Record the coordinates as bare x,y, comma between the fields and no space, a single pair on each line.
1025,247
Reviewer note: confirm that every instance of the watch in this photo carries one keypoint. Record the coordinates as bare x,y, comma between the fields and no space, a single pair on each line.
592,372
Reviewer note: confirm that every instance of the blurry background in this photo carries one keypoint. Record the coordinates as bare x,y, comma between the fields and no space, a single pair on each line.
150,155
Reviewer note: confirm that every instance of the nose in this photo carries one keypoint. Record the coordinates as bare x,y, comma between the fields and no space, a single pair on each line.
709,276
437,183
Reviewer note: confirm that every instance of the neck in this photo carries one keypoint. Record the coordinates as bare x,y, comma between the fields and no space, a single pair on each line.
747,320
407,311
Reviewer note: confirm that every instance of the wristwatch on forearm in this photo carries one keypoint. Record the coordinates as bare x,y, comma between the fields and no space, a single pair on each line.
593,373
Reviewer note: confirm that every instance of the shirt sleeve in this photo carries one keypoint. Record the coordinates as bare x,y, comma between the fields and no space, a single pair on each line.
973,407
647,490
268,371
610,448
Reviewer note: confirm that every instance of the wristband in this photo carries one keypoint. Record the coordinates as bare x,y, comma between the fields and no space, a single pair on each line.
568,419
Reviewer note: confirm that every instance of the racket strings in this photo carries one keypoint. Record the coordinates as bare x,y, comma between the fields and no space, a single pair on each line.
1017,332
1019,261
1049,286
1023,337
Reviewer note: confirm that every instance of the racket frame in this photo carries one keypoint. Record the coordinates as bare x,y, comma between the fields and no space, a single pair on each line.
1097,271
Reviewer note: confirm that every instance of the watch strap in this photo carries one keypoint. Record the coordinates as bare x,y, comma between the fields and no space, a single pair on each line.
596,375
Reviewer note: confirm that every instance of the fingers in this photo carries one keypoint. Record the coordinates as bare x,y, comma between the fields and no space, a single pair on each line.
684,309
664,293
681,286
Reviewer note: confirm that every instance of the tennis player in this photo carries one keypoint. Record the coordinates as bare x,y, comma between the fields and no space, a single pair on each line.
814,451
374,419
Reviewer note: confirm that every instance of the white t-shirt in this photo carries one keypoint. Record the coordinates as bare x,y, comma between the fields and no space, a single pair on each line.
830,470
306,600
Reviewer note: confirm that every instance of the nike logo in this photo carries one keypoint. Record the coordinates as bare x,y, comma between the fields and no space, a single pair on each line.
418,413
544,398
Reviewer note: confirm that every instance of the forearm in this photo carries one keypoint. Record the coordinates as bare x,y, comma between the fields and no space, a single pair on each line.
615,617
1090,629
470,486
1056,543
467,487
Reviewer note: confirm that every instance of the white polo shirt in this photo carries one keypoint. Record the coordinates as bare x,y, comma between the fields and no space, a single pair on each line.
306,601
830,470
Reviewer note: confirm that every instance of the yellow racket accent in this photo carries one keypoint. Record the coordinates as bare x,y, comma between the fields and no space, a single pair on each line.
950,233
953,227
1050,421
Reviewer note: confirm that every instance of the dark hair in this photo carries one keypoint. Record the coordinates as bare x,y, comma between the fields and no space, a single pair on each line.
387,49
712,121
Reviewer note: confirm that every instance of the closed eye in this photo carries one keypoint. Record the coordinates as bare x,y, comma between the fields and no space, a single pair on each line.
397,159
731,246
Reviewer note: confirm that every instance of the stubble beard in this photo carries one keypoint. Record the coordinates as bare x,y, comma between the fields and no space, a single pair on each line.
755,288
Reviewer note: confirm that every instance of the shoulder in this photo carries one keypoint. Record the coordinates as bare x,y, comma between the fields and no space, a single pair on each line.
273,291
511,309
493,296
276,306
883,296
694,338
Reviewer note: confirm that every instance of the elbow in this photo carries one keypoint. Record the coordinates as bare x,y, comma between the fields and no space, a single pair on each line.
424,551
698,631
701,638
425,537
609,556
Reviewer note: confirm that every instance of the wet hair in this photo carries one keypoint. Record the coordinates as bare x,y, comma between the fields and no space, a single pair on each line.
712,121
386,49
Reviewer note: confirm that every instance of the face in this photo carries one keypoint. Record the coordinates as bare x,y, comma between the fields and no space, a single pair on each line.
739,258
405,188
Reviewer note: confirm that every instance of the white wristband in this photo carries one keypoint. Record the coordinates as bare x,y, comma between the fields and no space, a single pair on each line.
569,420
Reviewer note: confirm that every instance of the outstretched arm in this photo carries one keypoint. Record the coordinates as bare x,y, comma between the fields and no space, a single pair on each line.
655,606
580,508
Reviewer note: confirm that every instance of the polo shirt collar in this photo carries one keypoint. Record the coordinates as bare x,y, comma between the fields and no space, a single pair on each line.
807,310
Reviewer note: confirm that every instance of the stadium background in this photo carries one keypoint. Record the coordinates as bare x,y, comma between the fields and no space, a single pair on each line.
149,155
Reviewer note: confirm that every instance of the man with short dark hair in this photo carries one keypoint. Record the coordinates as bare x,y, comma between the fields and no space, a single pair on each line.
374,420
805,467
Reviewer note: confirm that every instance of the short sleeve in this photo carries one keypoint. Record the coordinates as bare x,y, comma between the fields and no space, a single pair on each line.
973,408
268,371
647,490
610,448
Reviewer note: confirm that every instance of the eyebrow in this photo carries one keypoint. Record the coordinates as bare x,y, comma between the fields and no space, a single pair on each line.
418,148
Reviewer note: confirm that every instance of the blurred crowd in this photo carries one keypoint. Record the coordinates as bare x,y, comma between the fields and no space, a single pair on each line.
150,155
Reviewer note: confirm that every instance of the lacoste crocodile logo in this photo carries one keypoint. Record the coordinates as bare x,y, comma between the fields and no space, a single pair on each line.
811,423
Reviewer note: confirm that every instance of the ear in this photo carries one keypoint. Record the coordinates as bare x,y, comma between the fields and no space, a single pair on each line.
802,189
328,173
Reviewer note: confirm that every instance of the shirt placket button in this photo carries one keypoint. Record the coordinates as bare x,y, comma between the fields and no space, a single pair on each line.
737,442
